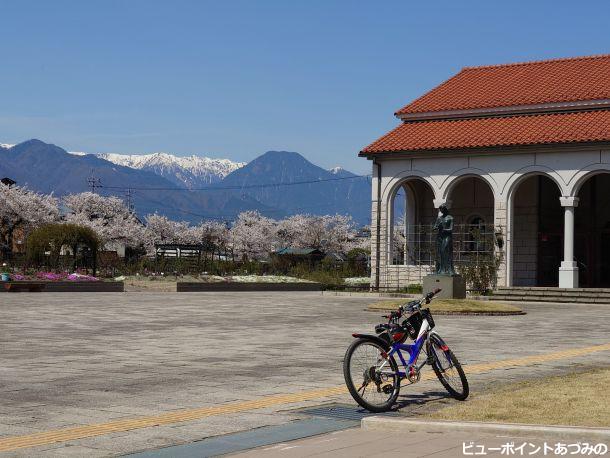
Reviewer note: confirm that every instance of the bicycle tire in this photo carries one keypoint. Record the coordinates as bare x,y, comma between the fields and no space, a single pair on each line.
441,373
355,392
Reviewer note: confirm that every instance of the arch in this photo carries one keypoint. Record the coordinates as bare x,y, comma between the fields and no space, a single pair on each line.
418,203
457,176
580,177
468,194
407,175
525,172
591,227
515,231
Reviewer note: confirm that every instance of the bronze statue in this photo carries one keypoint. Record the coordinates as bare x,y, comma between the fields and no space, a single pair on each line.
444,242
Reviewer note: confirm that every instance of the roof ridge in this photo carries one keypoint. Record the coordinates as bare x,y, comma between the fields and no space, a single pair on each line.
540,61
507,115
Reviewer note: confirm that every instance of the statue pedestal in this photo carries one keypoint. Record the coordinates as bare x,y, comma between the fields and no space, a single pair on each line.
453,286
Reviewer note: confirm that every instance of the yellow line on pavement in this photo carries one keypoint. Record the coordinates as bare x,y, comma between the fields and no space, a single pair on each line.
178,416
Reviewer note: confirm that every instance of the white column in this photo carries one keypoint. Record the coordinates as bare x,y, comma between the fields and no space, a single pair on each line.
405,225
568,272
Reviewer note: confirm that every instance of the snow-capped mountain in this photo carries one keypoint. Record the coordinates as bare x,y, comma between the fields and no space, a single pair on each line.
340,172
6,145
190,171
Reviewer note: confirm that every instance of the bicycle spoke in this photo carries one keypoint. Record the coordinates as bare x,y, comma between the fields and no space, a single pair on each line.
446,368
365,363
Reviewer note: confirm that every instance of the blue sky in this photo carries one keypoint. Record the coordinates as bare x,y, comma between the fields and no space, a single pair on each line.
237,78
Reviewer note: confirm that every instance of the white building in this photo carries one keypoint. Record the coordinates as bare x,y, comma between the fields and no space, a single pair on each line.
522,148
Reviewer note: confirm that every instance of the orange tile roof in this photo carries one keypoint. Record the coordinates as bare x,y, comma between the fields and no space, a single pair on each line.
583,126
528,83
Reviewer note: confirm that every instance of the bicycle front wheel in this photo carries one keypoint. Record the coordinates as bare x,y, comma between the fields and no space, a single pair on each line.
371,375
447,368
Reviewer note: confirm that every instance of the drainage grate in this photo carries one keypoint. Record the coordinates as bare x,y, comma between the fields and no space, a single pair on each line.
245,440
321,419
341,412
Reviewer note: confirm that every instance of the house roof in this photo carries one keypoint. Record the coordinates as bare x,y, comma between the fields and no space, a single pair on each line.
528,83
298,251
557,128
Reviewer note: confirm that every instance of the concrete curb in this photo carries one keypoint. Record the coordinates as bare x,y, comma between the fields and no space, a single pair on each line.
331,292
75,286
369,294
408,424
436,312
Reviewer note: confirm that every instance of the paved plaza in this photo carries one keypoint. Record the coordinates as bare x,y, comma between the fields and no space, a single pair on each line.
120,373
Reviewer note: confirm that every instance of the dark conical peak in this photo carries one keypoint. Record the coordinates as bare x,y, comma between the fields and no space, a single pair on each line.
33,142
281,155
35,145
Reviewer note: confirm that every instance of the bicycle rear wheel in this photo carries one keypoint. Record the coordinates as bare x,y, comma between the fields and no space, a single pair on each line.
372,386
447,368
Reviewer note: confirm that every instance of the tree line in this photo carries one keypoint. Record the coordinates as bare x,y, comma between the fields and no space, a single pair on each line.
250,236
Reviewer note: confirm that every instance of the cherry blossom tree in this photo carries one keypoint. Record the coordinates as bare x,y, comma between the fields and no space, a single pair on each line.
162,230
25,209
339,233
253,236
109,217
212,234
326,233
294,232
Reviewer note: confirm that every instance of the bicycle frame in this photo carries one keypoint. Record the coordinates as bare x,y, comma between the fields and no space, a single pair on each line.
413,349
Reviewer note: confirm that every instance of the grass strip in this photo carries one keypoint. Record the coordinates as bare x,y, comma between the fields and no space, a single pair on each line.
457,306
575,399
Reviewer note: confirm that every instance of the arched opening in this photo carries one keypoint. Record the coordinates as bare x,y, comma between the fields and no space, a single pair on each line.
472,199
472,206
411,209
592,232
537,232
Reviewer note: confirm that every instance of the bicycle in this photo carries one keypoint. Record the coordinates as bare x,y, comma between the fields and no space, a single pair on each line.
370,361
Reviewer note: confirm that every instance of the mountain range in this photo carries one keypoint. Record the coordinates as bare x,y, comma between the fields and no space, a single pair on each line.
191,171
277,183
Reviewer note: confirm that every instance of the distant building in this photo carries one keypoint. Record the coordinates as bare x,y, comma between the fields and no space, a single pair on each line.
292,256
7,181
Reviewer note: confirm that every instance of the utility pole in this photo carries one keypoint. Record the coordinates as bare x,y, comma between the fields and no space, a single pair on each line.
94,182
129,201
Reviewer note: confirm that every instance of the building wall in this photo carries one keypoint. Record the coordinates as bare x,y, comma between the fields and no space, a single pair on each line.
504,171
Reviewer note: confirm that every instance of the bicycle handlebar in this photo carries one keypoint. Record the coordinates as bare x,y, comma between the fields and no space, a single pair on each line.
414,305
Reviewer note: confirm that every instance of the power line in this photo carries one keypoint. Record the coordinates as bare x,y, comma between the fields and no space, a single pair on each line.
232,216
234,188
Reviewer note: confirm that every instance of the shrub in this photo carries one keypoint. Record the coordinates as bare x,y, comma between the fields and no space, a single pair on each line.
44,245
481,273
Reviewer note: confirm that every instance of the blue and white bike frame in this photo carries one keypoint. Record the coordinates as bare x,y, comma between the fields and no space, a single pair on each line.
413,350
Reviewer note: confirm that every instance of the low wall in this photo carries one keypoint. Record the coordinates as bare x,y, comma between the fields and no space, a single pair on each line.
183,287
82,287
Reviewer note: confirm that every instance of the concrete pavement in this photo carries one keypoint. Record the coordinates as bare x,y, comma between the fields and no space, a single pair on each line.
355,442
73,360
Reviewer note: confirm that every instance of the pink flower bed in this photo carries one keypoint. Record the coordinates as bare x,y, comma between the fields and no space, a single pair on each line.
64,276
